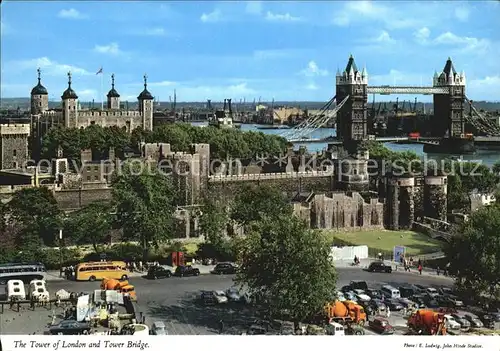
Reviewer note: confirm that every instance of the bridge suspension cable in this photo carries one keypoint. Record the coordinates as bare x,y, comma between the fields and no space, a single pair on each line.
314,122
292,133
482,123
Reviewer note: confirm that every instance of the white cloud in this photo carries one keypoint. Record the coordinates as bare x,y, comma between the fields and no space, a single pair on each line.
214,16
422,35
277,17
465,43
71,14
253,7
484,89
48,67
312,86
399,78
313,70
384,37
111,49
392,17
462,13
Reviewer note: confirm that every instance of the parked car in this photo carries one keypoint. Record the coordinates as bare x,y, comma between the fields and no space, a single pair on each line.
377,306
464,323
220,296
446,291
340,296
346,288
233,295
406,291
407,303
156,272
69,327
224,268
430,302
419,301
208,298
488,320
393,305
380,267
256,330
474,321
351,296
451,323
455,301
381,326
158,328
432,292
374,294
358,284
186,271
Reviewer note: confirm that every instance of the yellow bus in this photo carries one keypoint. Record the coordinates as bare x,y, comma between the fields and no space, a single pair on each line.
92,271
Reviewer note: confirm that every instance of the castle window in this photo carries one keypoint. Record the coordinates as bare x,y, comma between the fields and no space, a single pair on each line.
96,177
14,152
88,168
40,104
15,164
96,168
93,122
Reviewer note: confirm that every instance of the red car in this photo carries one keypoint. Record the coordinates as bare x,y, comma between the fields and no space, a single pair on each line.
381,326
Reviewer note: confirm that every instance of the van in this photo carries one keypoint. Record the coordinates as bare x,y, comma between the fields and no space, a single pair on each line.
15,290
92,271
38,290
336,329
391,292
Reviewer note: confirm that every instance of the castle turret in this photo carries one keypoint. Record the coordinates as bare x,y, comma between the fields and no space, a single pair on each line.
39,97
70,103
113,96
146,106
435,197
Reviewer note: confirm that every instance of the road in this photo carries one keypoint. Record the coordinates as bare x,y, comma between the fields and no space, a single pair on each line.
173,301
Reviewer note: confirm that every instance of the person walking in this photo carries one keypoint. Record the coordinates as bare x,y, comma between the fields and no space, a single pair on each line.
420,269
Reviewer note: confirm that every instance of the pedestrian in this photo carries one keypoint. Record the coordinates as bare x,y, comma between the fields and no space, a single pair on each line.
221,326
438,271
388,312
379,256
420,269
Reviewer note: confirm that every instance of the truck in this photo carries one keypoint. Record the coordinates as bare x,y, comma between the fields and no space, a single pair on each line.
123,286
346,312
427,322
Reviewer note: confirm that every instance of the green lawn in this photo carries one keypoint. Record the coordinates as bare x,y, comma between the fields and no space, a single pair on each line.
385,240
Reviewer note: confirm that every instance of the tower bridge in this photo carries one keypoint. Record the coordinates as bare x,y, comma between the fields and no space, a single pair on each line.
349,107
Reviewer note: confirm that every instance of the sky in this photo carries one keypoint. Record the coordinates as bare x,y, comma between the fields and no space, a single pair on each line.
244,50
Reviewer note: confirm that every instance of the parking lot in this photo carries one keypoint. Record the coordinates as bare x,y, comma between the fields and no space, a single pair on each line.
175,302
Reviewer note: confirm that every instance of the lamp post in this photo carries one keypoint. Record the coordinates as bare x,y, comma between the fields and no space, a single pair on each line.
60,251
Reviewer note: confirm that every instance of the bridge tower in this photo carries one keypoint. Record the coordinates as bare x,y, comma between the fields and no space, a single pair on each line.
449,108
352,126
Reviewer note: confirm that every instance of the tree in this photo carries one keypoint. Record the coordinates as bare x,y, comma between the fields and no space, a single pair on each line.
145,208
474,252
252,203
287,268
91,224
36,210
214,220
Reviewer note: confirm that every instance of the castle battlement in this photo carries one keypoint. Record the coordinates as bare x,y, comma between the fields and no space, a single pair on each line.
267,176
14,129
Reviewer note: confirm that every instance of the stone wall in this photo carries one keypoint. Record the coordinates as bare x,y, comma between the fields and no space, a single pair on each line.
345,211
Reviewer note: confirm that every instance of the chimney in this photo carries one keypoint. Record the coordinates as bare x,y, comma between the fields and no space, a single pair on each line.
229,104
224,109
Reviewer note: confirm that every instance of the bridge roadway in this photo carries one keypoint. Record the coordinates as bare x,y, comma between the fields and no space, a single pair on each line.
173,301
422,140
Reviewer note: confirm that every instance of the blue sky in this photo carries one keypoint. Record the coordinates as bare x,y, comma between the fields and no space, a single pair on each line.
280,50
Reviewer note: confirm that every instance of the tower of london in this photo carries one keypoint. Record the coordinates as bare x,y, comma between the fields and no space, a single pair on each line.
73,115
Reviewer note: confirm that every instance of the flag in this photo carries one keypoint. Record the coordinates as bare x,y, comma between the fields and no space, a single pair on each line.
99,71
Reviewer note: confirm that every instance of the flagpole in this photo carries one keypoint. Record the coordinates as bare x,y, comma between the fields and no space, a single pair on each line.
102,91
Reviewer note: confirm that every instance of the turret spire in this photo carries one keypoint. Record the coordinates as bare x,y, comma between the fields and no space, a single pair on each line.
112,81
69,80
145,81
39,72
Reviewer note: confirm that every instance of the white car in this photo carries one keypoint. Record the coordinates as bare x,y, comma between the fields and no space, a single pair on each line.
451,323
432,292
363,297
220,296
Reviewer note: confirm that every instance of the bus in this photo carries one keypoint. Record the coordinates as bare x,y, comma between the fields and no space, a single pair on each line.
22,271
92,271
